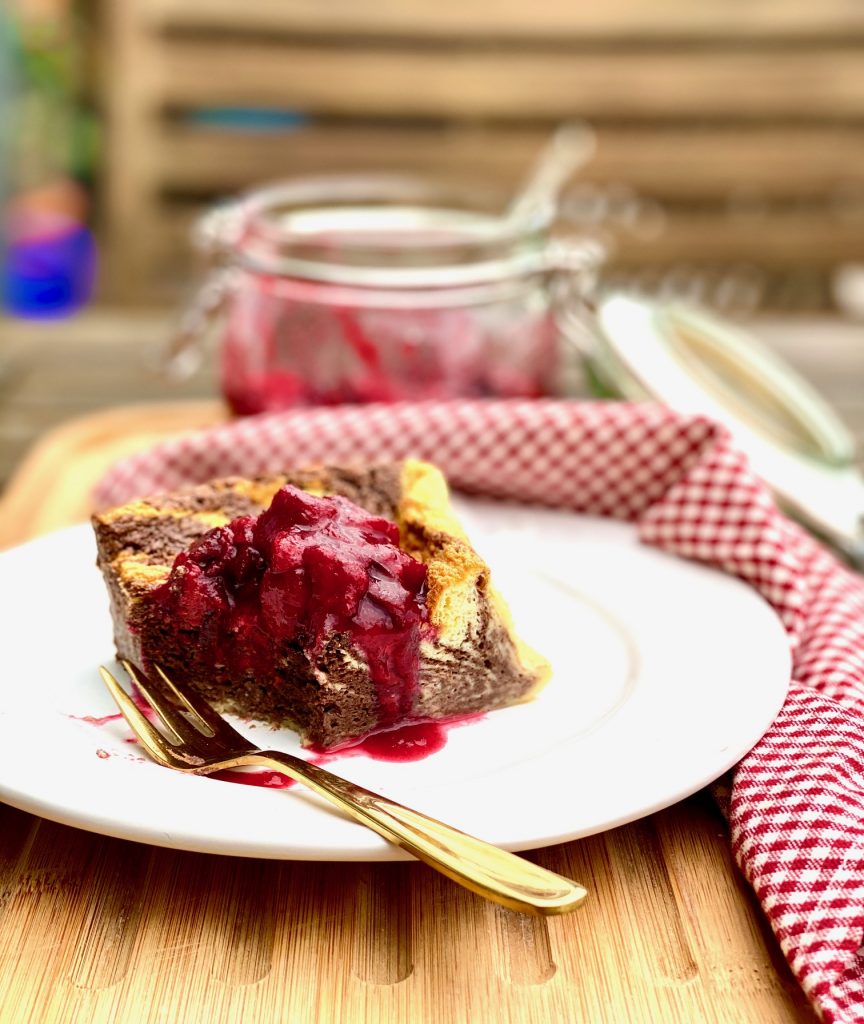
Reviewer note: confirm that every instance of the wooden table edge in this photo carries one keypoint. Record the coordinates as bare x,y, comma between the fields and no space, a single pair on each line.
77,453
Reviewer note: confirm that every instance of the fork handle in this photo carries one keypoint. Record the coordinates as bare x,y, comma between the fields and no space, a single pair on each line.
485,869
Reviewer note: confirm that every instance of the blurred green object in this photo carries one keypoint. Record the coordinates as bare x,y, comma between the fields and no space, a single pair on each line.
8,78
53,133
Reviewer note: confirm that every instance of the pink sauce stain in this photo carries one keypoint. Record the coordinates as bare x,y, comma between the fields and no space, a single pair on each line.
140,703
267,779
413,742
409,743
93,720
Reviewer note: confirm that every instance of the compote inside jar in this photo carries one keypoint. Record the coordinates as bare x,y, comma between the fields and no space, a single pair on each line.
349,290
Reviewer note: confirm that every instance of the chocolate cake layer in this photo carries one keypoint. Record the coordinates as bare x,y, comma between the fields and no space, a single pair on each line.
474,663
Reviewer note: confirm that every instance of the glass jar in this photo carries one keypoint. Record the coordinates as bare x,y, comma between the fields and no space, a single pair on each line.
367,289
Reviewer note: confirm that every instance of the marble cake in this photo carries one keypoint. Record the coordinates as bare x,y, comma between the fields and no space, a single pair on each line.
339,601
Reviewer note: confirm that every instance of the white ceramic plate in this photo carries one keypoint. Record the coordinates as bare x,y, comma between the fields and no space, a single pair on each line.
665,674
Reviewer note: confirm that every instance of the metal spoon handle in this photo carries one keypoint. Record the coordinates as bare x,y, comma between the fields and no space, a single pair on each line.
571,146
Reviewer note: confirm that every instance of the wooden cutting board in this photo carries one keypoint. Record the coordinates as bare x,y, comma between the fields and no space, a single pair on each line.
101,929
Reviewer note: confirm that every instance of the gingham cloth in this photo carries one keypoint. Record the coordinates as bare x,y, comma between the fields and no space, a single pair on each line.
797,800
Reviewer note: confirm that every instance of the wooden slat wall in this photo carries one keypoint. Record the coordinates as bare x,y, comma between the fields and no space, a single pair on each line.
464,83
698,164
743,121
550,19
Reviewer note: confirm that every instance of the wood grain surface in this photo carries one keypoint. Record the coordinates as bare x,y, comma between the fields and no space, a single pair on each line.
100,929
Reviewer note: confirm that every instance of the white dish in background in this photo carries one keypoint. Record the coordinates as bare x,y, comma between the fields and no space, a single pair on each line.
665,673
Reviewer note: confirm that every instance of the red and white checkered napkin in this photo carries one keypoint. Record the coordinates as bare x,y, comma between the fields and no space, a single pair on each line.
797,806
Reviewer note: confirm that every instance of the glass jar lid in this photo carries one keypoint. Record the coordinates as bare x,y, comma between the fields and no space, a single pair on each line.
695,363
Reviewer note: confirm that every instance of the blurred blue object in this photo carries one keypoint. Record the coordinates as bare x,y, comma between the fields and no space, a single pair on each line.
50,274
47,253
247,119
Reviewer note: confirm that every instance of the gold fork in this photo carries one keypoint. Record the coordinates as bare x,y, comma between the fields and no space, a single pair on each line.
200,741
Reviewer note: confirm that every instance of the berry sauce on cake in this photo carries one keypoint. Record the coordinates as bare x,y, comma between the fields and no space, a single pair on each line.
340,601
302,570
